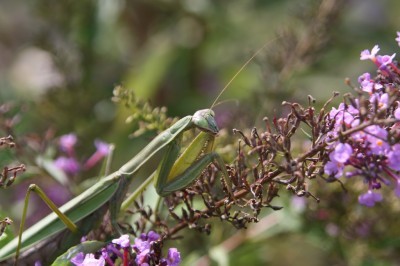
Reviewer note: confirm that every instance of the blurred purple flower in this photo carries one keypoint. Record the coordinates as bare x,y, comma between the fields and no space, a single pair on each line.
370,198
68,164
398,38
333,168
67,143
364,77
381,100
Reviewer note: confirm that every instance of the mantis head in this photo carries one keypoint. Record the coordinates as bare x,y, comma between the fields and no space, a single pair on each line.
205,121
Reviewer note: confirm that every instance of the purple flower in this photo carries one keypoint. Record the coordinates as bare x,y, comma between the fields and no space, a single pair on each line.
143,258
103,149
335,169
143,246
398,38
341,153
370,86
90,260
153,236
364,77
366,54
67,143
377,138
381,100
393,158
385,60
123,241
68,164
370,198
343,115
174,257
78,259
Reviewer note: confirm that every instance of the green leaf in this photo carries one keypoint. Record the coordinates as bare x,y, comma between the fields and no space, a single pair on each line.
85,247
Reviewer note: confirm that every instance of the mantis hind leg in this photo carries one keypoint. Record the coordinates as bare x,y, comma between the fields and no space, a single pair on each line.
35,188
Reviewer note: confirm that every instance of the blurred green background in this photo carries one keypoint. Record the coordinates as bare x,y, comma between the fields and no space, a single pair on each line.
61,60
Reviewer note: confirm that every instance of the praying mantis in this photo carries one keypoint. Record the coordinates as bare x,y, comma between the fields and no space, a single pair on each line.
174,173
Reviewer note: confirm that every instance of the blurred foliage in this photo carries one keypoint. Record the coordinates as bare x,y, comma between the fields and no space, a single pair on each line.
63,59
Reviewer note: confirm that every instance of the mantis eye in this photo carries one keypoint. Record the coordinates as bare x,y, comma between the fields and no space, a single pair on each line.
204,120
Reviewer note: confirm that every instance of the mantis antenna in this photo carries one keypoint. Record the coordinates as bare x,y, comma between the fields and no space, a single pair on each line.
241,69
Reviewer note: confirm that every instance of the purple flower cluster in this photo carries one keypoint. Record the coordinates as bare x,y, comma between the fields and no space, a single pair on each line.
69,162
121,252
371,151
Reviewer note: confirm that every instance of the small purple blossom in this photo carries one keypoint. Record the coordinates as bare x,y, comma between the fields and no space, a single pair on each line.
344,115
385,60
78,259
370,198
152,236
364,77
68,164
366,54
173,258
393,158
377,139
381,100
341,153
333,168
398,38
123,241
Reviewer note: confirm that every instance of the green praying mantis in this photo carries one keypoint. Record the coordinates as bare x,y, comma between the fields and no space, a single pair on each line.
175,172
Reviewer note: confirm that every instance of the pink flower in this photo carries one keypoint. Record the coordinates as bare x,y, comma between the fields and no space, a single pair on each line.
103,149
